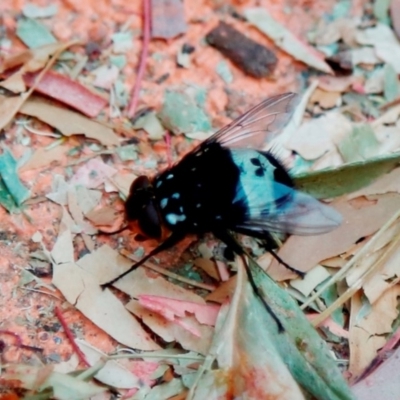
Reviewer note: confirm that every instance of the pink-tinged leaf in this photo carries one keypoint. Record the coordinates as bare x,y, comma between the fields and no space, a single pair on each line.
190,334
168,18
68,91
189,326
395,15
92,174
144,370
171,308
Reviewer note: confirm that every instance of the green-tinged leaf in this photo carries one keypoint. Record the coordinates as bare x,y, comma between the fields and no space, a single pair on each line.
66,387
122,42
243,361
348,178
330,295
381,11
367,105
118,60
360,145
180,114
12,184
391,84
128,152
6,199
224,72
32,11
53,384
121,94
341,9
33,33
306,355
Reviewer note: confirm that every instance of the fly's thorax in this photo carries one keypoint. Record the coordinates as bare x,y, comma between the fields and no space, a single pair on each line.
196,194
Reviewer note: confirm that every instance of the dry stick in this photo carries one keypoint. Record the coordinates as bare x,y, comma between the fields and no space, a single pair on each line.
359,283
37,290
342,272
156,355
143,58
172,275
39,77
18,341
70,336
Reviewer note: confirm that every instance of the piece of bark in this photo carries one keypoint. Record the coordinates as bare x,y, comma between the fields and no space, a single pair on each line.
251,57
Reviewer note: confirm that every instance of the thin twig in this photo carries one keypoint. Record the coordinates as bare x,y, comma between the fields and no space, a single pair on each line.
157,356
39,291
18,341
143,58
70,337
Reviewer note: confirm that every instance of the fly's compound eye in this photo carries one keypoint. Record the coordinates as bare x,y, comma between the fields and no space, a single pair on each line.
140,206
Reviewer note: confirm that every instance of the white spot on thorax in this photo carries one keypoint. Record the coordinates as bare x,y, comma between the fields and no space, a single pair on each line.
163,203
174,218
198,205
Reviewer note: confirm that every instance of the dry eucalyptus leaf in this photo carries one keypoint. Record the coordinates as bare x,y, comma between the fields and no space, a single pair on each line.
68,122
43,157
170,331
82,289
319,135
367,327
63,249
112,373
304,252
106,263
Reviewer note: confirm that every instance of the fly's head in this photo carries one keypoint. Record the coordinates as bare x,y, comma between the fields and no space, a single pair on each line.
141,207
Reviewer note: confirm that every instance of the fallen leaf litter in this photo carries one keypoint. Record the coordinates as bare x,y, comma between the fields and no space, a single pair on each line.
69,151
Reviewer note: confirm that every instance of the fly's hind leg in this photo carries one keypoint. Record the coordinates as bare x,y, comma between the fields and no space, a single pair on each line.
227,238
270,246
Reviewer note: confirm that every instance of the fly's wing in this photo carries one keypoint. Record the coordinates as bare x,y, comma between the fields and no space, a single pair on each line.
258,125
272,206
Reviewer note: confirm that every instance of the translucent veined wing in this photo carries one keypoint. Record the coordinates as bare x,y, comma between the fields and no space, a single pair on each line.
272,206
259,125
